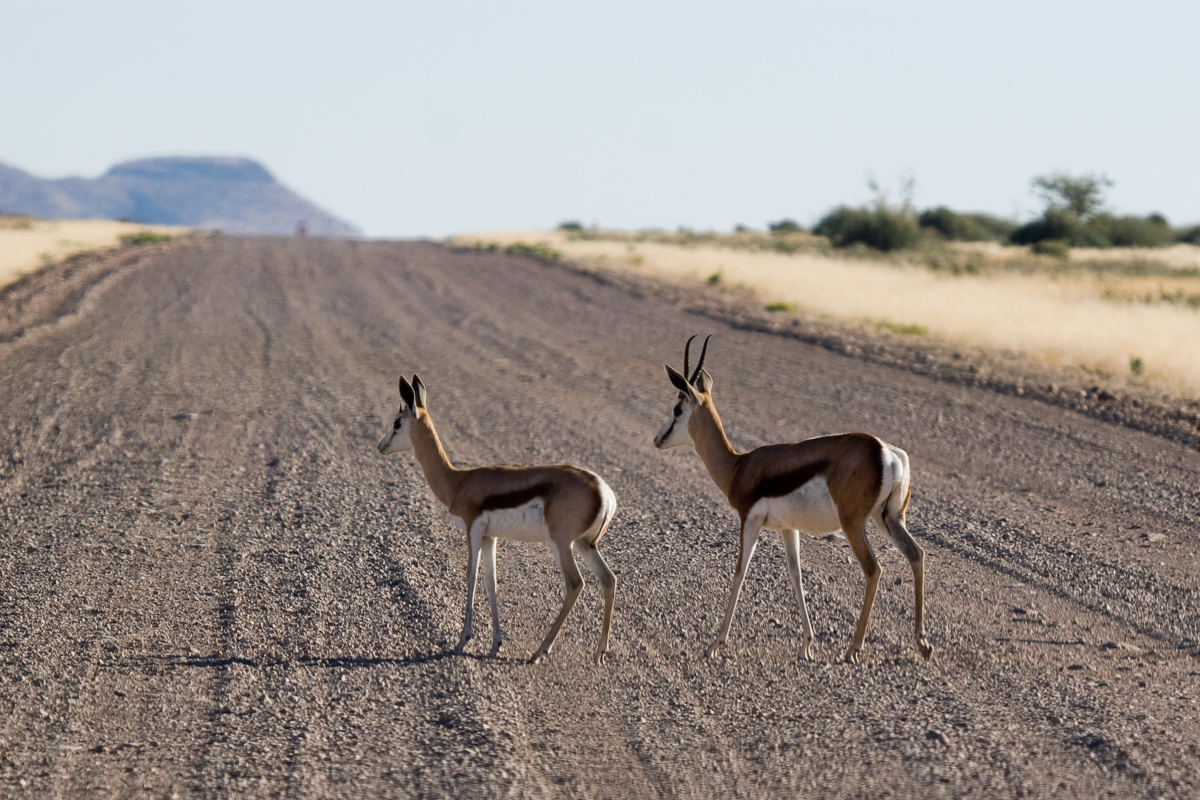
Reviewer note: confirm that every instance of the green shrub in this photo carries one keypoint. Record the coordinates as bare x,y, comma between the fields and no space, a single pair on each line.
570,225
1136,365
784,226
882,227
540,251
1151,231
1072,204
999,227
896,327
1189,235
143,237
966,227
1074,215
1099,230
1030,232
1056,223
781,306
1096,232
1058,248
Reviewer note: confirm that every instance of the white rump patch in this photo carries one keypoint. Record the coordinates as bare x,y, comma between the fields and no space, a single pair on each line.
895,479
608,507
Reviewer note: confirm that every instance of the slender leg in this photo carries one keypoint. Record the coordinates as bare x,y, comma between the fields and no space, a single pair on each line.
488,556
475,540
608,580
856,535
916,559
574,582
749,540
791,544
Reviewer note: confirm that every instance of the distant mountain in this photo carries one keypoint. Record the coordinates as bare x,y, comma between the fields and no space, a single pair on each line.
235,195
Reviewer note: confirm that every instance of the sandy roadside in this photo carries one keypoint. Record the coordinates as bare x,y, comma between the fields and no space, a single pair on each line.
27,245
1087,320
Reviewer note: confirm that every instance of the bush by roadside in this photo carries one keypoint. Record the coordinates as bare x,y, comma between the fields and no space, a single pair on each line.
143,237
1074,216
881,227
956,227
539,250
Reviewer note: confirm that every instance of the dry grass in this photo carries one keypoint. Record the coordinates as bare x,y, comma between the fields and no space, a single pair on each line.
29,244
1096,319
1177,257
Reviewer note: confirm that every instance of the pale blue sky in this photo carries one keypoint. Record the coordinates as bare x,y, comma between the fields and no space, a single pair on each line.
425,119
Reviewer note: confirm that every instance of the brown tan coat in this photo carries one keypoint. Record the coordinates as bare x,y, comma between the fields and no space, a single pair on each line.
566,507
816,486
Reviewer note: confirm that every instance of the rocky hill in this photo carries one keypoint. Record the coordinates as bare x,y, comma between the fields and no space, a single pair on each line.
235,195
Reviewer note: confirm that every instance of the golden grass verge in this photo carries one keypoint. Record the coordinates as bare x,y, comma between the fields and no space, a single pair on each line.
29,244
1098,321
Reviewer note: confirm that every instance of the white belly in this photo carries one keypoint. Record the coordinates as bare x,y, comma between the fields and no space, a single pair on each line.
809,509
525,523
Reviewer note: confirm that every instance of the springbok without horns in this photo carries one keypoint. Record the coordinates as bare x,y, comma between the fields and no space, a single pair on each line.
816,486
566,507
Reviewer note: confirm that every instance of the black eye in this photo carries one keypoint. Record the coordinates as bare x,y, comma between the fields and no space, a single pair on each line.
678,410
396,424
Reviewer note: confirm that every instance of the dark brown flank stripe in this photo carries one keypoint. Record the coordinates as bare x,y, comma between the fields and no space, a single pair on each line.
514,499
788,482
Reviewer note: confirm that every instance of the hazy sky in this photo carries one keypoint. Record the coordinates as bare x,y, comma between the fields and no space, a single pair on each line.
426,119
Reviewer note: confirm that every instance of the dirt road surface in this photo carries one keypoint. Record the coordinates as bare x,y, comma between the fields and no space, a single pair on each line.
213,585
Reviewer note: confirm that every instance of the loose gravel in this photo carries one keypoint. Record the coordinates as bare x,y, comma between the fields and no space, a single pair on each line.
213,585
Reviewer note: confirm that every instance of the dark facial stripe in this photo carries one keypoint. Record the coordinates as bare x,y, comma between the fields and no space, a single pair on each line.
514,499
788,482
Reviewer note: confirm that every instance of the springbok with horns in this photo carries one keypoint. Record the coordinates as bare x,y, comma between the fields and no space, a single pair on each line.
566,507
816,486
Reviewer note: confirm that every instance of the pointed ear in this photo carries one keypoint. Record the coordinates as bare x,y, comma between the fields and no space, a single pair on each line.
704,382
679,382
406,393
419,388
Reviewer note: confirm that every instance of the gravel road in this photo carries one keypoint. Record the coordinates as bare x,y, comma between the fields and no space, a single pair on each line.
213,585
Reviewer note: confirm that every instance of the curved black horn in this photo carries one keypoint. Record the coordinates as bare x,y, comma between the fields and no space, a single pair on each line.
700,364
686,347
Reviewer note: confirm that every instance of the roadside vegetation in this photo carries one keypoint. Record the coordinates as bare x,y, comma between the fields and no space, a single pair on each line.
1119,296
143,237
539,250
1074,215
27,244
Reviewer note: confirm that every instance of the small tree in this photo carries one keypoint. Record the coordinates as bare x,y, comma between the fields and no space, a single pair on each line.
1082,195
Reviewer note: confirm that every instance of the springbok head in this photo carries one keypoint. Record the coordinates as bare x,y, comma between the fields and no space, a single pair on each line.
412,405
692,391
